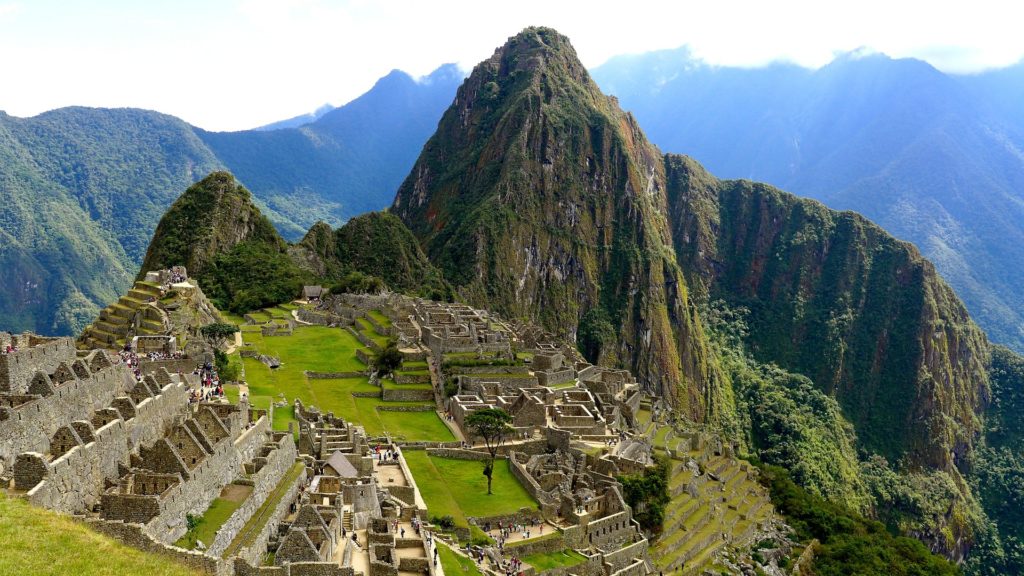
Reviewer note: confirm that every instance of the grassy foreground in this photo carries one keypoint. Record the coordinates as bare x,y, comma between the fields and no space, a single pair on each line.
458,488
38,542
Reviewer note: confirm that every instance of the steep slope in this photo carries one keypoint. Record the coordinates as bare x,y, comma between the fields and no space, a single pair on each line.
216,231
933,159
537,197
80,190
833,297
211,217
377,244
45,543
348,161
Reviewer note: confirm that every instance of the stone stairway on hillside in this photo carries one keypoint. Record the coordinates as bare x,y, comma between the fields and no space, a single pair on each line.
131,315
716,498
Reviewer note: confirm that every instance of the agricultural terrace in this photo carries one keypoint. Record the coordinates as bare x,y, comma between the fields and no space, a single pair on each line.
324,349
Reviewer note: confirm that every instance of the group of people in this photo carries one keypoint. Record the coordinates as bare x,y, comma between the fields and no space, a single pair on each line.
387,455
504,531
9,349
210,386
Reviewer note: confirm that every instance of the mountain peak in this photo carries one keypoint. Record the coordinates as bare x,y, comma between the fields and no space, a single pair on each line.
538,197
210,217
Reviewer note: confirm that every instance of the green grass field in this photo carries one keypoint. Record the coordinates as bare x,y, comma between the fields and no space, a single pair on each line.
458,487
41,543
322,349
557,559
455,564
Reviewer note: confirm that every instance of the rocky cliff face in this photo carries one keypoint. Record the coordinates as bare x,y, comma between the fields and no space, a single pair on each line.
539,198
836,298
211,217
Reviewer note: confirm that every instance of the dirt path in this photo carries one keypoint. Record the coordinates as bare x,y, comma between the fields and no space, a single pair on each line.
236,345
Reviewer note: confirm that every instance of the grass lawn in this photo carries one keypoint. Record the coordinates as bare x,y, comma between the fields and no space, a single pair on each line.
414,365
455,564
43,543
557,559
459,488
215,516
379,317
232,318
322,349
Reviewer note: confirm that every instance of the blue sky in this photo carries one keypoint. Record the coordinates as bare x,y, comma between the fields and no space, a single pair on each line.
234,64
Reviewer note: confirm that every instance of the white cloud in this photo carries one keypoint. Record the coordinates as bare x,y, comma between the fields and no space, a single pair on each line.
236,65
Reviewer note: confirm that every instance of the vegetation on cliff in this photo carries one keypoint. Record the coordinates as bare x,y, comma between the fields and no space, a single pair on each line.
540,199
850,545
376,244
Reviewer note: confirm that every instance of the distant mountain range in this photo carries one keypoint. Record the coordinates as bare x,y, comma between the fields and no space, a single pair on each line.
935,159
81,189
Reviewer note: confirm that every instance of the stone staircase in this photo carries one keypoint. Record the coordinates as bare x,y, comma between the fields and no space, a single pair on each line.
121,320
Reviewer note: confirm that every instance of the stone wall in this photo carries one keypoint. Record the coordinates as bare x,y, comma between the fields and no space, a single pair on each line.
30,426
625,556
75,481
418,378
612,528
333,375
547,543
253,554
133,535
549,506
278,462
400,408
35,354
213,473
407,395
173,366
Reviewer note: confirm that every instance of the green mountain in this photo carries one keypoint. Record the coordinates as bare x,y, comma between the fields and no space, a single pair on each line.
933,158
538,198
81,189
209,219
819,341
375,244
834,297
219,234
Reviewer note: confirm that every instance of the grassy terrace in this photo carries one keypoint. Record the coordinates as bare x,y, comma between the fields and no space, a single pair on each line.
37,542
458,487
379,317
557,559
363,326
322,349
260,518
455,564
215,516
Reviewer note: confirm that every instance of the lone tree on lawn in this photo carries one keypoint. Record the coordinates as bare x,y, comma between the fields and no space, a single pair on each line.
491,424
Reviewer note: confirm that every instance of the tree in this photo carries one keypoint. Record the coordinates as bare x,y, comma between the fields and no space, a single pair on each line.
218,331
491,424
388,359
